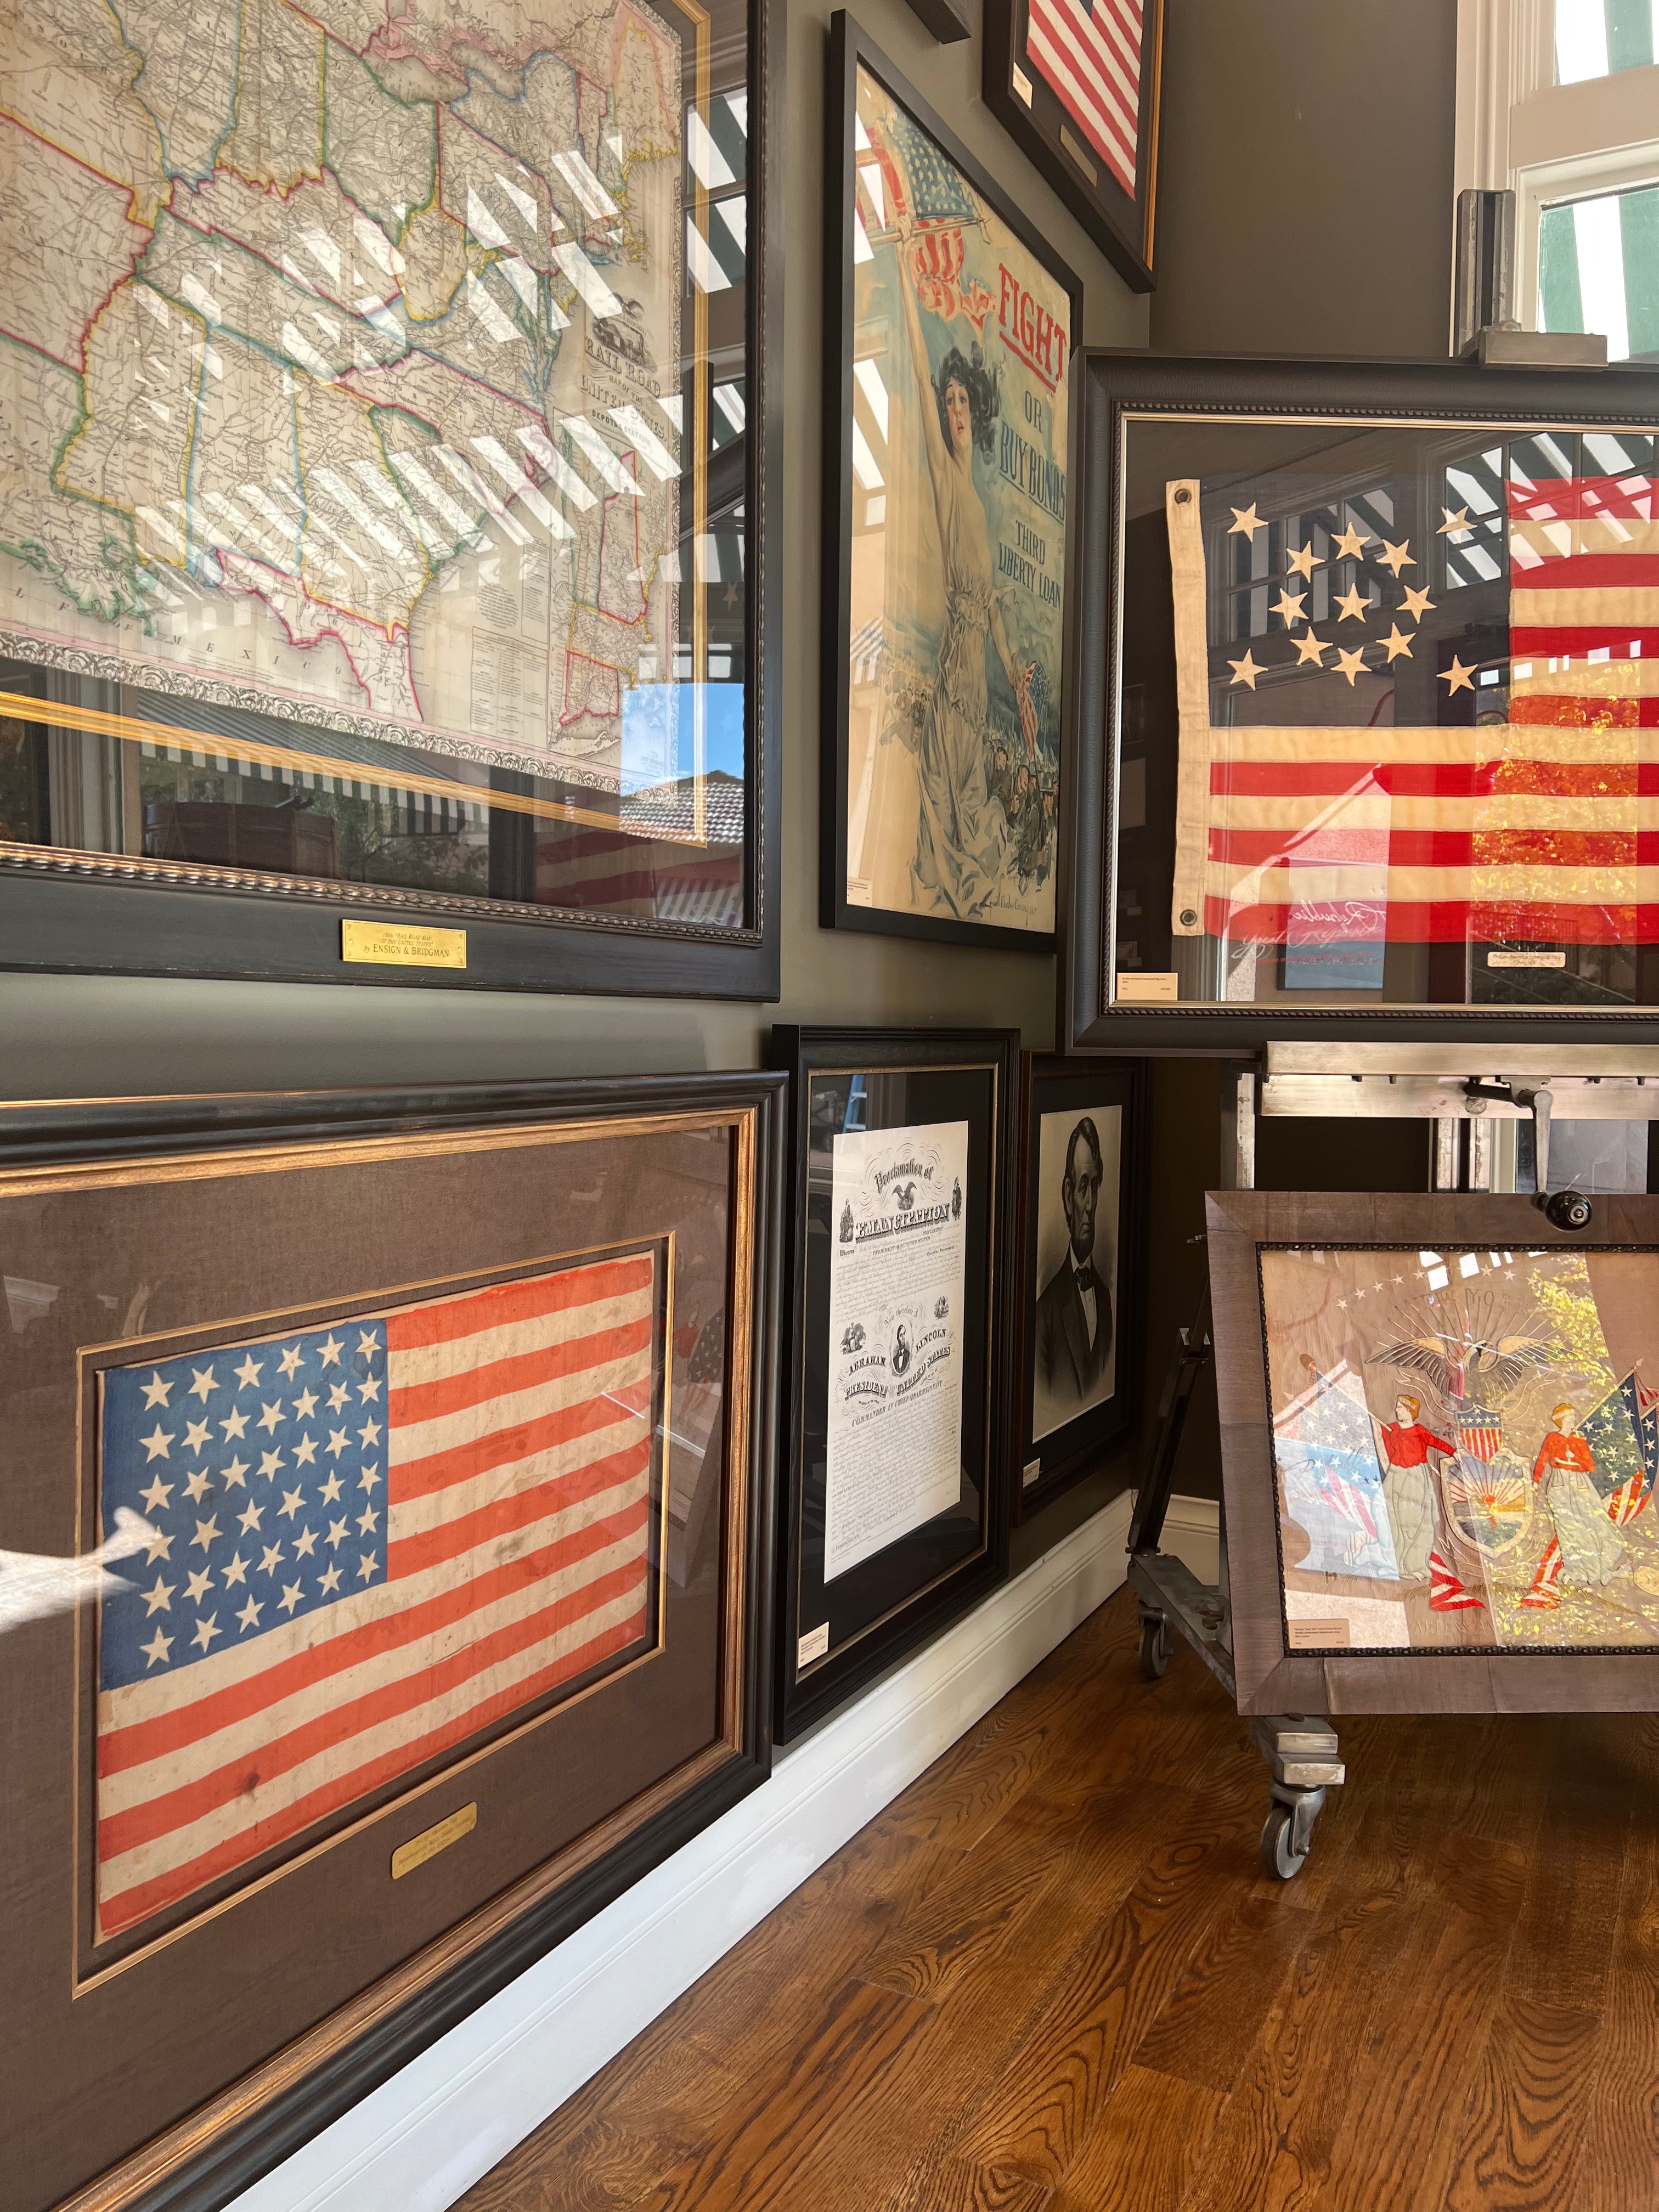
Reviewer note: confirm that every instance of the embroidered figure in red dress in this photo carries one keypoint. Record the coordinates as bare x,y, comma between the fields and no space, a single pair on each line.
1409,1493
1586,1548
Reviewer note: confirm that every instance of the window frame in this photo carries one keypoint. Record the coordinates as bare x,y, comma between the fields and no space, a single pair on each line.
1518,129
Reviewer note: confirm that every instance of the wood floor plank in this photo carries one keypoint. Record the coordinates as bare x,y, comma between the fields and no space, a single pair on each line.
1570,1910
763,2161
1086,2035
1619,2156
1051,1977
1209,2021
1141,2153
1523,2130
1411,2077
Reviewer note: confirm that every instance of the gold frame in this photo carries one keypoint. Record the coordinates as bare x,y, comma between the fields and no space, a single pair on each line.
349,1308
170,2150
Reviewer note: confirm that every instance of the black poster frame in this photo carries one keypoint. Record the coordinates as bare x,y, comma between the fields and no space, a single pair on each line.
910,1617
850,50
1039,1471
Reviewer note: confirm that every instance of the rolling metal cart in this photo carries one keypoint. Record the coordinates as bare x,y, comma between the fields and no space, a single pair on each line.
1492,1109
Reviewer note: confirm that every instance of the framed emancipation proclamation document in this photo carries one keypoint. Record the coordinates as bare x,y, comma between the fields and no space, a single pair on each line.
896,1273
895,1515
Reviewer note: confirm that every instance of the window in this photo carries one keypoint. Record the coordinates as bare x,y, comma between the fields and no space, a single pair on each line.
1559,99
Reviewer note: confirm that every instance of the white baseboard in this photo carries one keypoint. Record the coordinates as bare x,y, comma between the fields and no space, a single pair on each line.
1192,1531
422,2139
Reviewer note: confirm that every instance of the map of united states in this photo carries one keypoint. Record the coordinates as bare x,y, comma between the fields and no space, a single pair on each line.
339,355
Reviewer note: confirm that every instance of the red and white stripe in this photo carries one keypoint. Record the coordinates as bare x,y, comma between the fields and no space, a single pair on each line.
1545,827
517,1524
1090,57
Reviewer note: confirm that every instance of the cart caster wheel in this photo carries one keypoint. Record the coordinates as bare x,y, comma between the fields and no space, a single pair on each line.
1280,1856
1154,1647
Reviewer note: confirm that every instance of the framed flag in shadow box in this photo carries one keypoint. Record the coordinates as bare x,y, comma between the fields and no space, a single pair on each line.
386,1532
1366,705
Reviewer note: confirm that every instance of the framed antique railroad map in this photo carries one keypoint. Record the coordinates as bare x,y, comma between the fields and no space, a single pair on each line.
385,455
386,1515
948,329
1440,1437
1368,702
895,1512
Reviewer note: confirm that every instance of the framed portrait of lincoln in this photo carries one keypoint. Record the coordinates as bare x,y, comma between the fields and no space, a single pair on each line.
1083,1245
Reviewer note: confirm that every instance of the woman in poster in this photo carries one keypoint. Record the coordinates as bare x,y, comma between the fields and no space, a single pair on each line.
1586,1548
1410,1453
962,836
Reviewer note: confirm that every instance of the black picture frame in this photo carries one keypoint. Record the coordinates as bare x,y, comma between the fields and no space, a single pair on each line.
1121,224
209,2141
850,50
63,911
1041,1467
911,1589
1116,385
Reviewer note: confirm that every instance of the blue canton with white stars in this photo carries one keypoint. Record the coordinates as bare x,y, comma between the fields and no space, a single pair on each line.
938,192
261,1469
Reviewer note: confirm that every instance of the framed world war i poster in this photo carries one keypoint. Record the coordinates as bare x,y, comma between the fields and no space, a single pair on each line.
948,329
1440,1440
390,464
1366,699
895,1513
1083,1197
388,1498
1075,85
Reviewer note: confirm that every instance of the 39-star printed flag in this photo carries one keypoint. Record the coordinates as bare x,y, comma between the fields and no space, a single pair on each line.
1087,52
1401,721
369,1541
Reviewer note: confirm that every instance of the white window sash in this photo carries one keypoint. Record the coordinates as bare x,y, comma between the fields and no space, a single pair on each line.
1517,129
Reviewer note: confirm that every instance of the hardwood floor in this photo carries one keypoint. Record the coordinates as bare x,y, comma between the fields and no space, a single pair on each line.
1051,1979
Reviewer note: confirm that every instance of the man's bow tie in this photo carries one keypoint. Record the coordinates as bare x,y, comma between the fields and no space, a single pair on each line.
1085,1277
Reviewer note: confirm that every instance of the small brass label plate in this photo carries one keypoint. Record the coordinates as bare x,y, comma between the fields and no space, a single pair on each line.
402,944
431,1841
1316,1635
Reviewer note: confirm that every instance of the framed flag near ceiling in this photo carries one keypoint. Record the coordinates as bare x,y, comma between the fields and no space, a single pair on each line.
1367,702
949,323
386,1557
385,513
1075,84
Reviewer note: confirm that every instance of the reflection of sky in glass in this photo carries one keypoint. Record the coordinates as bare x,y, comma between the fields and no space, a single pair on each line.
659,732
1598,269
1598,38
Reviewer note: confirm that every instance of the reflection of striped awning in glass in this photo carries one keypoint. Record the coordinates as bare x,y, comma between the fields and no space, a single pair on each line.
866,648
367,765
679,878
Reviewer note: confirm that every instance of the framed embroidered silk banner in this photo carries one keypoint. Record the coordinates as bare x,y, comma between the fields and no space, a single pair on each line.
1440,1441
1075,85
948,329
371,1454
387,481
1376,714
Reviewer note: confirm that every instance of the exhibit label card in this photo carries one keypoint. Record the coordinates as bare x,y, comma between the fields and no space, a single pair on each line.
897,1262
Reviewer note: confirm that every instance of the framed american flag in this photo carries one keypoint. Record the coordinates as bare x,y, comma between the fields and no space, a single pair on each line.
1366,703
383,1557
1075,84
